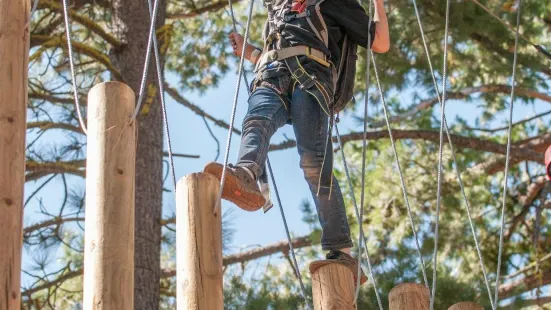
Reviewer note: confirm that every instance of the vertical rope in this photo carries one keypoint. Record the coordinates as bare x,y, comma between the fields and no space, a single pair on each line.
291,248
147,56
507,157
235,99
72,66
400,173
454,157
440,151
161,93
356,209
289,240
364,150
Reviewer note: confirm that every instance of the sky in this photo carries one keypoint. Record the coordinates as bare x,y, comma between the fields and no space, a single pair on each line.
189,135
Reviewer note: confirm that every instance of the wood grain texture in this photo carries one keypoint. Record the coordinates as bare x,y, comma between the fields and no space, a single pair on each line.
14,55
466,305
333,288
198,244
409,296
110,187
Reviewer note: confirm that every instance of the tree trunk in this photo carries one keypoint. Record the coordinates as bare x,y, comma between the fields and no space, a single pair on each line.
131,26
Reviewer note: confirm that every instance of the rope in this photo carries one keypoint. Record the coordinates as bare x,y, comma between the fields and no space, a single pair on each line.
402,182
72,66
161,94
364,150
538,47
234,24
513,82
353,197
456,166
235,99
439,182
147,57
291,248
33,10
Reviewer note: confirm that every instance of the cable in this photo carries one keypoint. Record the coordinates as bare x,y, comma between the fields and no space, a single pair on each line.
507,157
161,93
439,182
235,99
402,182
297,270
291,248
461,185
353,197
152,35
72,66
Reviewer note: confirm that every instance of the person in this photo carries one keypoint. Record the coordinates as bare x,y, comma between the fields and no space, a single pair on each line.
294,84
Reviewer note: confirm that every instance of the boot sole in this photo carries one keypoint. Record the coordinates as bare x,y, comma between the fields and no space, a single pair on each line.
233,192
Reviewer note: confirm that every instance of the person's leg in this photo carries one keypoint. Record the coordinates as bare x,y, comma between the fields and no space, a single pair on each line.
310,124
266,113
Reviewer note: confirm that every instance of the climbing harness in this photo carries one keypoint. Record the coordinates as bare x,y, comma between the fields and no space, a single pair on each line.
507,157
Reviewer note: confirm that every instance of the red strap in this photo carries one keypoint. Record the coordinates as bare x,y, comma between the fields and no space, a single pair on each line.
298,6
548,162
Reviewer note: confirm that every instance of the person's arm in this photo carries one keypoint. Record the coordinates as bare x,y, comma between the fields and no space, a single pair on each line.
252,53
351,16
381,44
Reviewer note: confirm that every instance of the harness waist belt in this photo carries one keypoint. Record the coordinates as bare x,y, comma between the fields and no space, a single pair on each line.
293,51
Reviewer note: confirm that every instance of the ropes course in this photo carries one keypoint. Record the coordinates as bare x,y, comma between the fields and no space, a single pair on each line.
359,211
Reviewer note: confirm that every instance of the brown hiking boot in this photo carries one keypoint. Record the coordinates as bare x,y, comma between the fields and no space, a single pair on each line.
341,258
239,187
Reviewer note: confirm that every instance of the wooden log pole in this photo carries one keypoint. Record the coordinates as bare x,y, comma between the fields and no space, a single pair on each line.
466,305
110,178
14,58
333,288
409,296
198,243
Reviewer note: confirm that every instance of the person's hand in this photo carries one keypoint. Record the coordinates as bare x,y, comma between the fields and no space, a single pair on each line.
236,41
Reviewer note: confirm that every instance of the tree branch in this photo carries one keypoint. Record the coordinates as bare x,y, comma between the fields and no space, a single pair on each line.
462,94
520,151
54,99
198,11
43,126
525,284
174,94
60,41
86,22
36,170
281,246
56,221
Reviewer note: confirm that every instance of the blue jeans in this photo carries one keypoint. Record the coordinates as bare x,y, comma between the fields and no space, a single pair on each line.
270,110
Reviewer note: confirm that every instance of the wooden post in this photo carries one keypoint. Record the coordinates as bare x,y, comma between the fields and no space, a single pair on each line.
333,288
198,243
110,176
14,58
466,305
409,296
